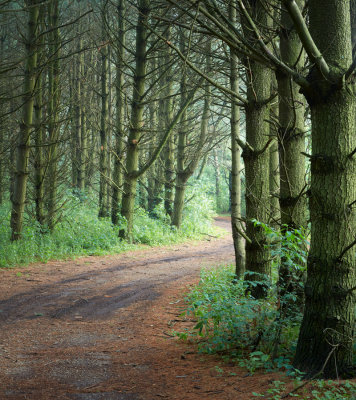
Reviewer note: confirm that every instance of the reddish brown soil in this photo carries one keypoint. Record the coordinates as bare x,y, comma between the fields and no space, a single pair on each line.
98,328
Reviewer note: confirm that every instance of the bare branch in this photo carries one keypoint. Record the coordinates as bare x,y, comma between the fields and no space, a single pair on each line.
305,37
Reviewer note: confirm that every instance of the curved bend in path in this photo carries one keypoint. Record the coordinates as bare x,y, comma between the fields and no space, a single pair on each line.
96,328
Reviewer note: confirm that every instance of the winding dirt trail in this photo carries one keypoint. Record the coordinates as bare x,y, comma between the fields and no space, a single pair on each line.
98,328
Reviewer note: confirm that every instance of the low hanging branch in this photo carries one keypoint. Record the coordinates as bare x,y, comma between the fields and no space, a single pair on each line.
275,60
240,232
305,37
242,101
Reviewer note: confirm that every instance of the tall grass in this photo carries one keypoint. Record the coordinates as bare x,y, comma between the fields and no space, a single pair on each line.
81,232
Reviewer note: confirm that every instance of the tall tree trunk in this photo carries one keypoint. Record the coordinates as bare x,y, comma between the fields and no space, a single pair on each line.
53,106
153,176
235,193
291,137
328,326
103,168
2,129
23,145
120,112
274,179
256,158
109,136
169,150
39,166
291,133
136,122
73,123
217,179
79,117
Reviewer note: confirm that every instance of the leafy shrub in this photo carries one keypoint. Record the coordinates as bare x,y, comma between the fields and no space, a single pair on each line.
232,321
229,319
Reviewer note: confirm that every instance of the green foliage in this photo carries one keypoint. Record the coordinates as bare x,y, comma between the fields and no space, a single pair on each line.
81,232
256,332
313,390
230,320
287,245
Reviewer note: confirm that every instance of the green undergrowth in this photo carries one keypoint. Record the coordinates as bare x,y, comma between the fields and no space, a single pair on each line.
80,232
235,324
249,332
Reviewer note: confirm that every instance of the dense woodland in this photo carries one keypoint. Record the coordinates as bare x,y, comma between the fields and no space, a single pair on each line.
143,107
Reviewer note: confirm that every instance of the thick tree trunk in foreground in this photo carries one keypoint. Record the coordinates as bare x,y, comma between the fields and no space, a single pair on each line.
329,319
23,147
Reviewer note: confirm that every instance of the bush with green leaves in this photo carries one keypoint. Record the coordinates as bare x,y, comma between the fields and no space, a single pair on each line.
230,320
313,390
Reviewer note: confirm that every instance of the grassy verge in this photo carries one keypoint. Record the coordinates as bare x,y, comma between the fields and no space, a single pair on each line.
80,232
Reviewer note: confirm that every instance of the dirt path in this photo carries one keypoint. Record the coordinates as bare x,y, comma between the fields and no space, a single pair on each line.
96,329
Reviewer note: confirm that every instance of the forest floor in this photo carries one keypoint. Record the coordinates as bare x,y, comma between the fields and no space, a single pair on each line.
100,328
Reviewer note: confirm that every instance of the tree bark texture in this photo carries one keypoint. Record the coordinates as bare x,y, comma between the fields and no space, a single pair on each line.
256,159
120,113
235,192
136,123
103,167
329,319
53,107
23,145
291,141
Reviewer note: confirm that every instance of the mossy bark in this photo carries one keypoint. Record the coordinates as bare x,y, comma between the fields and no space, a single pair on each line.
291,139
39,136
120,112
53,107
81,134
328,325
2,131
18,198
104,119
136,122
256,159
